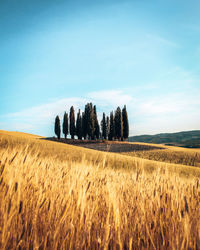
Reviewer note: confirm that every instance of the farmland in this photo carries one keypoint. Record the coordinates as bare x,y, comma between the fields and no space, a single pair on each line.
170,155
155,152
59,196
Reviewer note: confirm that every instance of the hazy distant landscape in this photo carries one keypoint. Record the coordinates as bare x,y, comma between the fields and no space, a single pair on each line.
188,139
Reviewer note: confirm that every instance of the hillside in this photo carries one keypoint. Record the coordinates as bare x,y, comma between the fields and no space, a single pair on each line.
190,139
154,152
58,196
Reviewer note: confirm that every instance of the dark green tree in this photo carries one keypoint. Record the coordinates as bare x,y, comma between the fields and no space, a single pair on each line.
87,119
72,123
79,125
84,126
96,124
125,123
112,127
118,124
57,126
103,126
107,126
65,125
91,122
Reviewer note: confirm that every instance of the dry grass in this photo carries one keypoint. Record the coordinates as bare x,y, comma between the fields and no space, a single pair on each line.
170,155
56,196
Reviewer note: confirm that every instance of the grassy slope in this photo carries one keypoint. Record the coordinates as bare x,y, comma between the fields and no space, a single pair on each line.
60,152
61,196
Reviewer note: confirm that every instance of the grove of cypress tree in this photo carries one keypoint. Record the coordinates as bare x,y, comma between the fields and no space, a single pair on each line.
103,126
57,126
118,124
79,125
96,124
125,123
72,123
112,127
65,125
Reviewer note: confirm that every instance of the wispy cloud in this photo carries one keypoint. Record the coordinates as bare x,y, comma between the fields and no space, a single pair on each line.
192,27
40,118
151,113
111,98
48,110
162,40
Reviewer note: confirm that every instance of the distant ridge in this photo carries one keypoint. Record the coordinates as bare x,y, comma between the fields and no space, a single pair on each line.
189,139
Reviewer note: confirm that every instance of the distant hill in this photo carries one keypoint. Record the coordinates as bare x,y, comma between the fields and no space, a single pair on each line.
189,139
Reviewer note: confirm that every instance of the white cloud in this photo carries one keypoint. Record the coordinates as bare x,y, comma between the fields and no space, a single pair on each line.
112,98
147,114
165,105
48,110
169,113
40,117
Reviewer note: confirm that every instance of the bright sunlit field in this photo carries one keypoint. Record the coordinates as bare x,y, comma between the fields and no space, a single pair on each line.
170,154
58,196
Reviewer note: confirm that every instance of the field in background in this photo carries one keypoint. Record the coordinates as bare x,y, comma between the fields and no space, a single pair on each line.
57,196
155,152
170,154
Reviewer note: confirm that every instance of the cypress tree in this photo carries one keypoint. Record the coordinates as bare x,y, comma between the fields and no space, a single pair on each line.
112,127
125,123
65,125
118,124
107,127
87,119
84,126
114,131
57,126
79,125
72,122
103,126
91,122
96,124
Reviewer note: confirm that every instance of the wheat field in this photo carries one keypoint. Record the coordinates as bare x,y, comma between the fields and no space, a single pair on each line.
56,196
169,154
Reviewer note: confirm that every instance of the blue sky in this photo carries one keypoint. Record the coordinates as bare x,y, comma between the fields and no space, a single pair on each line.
142,53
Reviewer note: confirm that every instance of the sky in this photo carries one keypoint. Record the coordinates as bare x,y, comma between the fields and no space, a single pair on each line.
144,54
